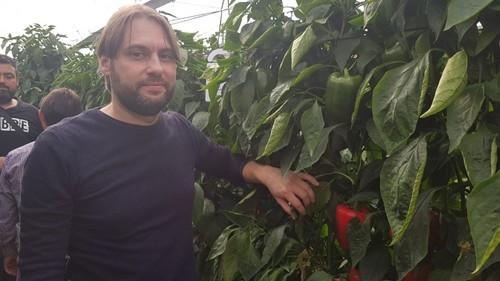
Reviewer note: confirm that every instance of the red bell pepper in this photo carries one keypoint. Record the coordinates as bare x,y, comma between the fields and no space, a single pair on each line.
435,240
354,275
343,215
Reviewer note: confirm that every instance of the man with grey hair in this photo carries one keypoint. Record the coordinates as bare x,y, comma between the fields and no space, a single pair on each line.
113,187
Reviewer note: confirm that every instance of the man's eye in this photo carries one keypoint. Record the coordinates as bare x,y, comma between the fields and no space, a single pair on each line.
137,54
167,57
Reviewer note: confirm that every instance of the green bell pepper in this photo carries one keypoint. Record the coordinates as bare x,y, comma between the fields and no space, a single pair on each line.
340,95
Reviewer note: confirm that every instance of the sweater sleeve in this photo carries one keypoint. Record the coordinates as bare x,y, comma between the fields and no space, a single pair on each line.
8,209
46,211
213,159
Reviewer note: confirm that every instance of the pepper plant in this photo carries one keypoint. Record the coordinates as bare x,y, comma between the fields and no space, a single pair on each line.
40,53
394,105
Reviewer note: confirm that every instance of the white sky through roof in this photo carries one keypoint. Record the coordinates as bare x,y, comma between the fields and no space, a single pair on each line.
78,19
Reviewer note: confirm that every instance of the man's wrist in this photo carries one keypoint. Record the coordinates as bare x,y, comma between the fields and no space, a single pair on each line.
254,172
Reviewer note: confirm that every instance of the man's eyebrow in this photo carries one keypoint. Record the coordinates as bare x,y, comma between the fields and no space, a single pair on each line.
136,46
142,47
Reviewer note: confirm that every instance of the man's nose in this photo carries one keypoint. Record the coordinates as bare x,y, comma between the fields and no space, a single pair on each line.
154,65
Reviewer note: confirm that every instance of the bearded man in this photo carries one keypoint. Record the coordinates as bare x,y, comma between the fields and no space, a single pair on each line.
19,123
114,186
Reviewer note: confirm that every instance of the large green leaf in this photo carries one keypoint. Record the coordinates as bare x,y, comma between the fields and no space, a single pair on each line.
413,246
367,51
279,91
374,134
436,15
359,238
483,213
308,72
278,131
306,160
250,262
320,13
272,243
219,246
492,88
285,71
320,276
312,125
270,35
464,27
302,44
462,114
375,264
397,101
238,77
234,20
451,84
322,193
400,180
256,116
242,99
479,152
287,160
200,120
461,10
365,87
487,36
231,256
343,49
248,31
372,10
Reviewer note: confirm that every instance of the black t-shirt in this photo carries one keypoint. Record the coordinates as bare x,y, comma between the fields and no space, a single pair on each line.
26,117
117,197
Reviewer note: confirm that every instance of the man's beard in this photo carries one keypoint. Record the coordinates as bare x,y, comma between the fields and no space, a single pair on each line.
5,95
131,98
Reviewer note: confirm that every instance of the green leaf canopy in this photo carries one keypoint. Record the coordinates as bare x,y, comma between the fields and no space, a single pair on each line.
397,101
400,180
483,210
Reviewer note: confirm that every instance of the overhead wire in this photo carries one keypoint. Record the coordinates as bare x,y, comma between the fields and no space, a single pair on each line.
196,16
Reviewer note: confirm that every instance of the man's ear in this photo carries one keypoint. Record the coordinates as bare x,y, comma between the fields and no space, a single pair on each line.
42,119
104,65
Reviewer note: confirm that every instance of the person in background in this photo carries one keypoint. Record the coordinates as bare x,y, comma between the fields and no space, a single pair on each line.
114,186
57,105
19,123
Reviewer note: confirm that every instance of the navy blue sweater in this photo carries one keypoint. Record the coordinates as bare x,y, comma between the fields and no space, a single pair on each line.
116,197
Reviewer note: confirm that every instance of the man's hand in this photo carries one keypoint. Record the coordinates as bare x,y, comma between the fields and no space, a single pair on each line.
10,265
291,191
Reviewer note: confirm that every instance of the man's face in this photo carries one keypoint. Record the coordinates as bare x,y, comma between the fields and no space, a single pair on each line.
8,83
143,73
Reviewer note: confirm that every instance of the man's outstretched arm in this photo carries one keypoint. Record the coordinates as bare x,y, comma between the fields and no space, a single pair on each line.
291,191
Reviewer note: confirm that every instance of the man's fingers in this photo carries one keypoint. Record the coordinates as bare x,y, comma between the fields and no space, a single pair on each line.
296,204
305,186
312,180
303,195
285,206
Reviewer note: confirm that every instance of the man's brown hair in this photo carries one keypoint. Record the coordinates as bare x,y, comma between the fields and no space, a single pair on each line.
113,33
59,104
